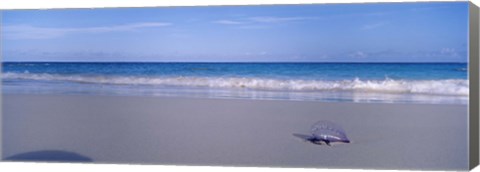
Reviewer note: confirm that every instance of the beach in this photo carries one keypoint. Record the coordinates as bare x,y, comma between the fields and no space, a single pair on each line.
239,86
235,132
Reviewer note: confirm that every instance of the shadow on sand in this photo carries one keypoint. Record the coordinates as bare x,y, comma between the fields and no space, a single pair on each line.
49,156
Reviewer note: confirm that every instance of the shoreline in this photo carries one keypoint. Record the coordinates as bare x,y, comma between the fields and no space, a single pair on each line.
180,96
202,131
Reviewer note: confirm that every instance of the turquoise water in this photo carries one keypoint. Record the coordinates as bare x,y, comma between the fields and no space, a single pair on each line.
345,82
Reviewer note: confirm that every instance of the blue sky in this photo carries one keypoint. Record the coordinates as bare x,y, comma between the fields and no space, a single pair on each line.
377,32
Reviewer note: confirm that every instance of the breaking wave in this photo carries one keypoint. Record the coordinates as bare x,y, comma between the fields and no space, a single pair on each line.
453,87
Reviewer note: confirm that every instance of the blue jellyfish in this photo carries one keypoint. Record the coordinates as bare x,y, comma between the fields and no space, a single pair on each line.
325,132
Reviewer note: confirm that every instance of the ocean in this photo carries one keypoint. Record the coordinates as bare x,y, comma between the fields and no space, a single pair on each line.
431,83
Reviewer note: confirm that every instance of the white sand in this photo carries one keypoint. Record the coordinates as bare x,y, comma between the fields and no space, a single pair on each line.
160,130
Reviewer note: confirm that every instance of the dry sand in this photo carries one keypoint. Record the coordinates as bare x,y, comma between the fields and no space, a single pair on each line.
188,131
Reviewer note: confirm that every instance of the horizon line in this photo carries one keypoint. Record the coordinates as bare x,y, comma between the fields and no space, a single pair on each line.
203,62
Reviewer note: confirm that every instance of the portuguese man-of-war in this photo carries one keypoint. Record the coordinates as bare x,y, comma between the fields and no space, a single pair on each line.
325,132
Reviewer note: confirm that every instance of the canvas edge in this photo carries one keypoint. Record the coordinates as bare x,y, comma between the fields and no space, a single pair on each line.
279,3
474,81
474,66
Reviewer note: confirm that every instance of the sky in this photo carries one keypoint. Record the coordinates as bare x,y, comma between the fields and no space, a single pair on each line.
374,32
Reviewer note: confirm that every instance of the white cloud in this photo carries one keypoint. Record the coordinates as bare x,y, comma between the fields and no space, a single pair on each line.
33,32
449,52
269,19
428,8
358,54
253,26
228,22
261,20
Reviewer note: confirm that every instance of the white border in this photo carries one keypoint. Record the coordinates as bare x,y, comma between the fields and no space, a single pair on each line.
49,4
53,4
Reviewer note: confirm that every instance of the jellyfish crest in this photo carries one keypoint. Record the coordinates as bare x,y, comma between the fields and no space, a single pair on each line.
329,131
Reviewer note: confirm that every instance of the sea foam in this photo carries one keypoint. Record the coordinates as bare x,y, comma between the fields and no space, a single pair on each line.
450,87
